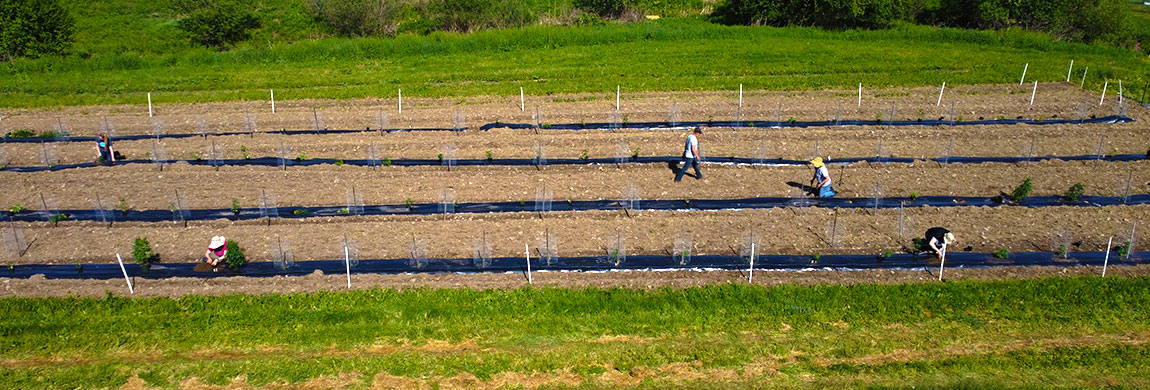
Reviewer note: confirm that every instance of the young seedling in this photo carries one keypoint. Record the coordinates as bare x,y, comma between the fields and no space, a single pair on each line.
885,255
489,156
635,153
142,253
16,208
918,244
815,258
343,211
913,195
57,218
235,207
584,155
300,212
124,208
339,163
386,162
1022,191
1002,253
1074,192
1124,249
410,205
301,157
244,152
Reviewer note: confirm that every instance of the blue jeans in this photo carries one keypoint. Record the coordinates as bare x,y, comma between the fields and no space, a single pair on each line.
687,163
826,191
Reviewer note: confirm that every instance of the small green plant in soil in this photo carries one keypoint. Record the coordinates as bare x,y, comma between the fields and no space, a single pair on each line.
1124,249
1074,192
387,162
16,208
522,203
301,157
584,155
1022,191
750,124
22,133
687,200
197,157
142,252
410,205
343,211
635,153
918,244
878,118
1002,253
50,134
490,156
235,257
815,258
440,157
959,119
885,255
79,267
58,217
235,207
791,120
913,195
124,207
545,125
339,163
300,212
616,256
244,152
1061,251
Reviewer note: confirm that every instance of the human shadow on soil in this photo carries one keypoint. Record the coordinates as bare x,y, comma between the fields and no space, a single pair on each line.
808,189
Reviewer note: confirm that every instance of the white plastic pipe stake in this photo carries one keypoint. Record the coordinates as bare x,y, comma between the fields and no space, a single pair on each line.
751,272
126,278
1033,92
860,94
940,94
942,261
1103,99
401,100
1107,260
347,262
527,252
1084,72
273,92
1070,71
1120,92
740,96
616,98
1024,68
522,103
149,104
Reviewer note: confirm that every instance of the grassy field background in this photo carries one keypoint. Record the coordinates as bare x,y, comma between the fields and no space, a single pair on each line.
1082,331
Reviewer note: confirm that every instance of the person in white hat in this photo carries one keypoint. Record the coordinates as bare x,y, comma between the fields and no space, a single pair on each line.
217,249
822,179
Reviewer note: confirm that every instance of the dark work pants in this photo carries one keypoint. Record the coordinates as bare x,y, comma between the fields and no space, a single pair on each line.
687,163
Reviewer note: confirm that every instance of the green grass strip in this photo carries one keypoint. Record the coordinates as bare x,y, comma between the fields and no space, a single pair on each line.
663,55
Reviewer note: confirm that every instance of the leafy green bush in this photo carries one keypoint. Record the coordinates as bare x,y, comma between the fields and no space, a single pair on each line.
472,15
1075,192
832,14
602,8
34,28
142,252
1022,191
358,17
215,23
22,133
235,256
1002,253
918,244
1075,20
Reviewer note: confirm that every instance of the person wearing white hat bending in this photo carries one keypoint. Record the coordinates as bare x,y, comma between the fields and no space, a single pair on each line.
217,250
822,179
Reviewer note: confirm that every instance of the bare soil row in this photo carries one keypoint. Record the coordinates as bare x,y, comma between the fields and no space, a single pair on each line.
1059,100
144,187
799,231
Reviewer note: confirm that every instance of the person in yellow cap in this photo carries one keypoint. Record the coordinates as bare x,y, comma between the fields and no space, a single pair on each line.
822,180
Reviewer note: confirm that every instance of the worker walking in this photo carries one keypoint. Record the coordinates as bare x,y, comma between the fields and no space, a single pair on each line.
822,180
937,238
691,155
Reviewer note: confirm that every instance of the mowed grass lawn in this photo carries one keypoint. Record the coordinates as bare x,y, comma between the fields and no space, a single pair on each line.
661,55
1058,332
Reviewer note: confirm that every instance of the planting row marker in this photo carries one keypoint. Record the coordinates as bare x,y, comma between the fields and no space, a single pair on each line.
1033,92
273,92
740,97
939,95
1119,92
1107,260
751,271
1103,99
1070,71
125,271
347,263
1083,83
1024,68
860,94
941,261
616,98
401,100
149,104
522,105
527,251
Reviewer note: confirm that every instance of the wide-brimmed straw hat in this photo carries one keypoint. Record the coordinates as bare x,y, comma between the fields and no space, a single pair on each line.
817,162
217,242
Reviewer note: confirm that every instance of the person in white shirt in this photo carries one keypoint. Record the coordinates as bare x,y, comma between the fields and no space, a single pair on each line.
691,155
822,179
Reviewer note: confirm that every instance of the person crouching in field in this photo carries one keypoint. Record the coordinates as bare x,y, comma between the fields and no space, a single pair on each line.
691,155
107,156
937,238
822,180
217,250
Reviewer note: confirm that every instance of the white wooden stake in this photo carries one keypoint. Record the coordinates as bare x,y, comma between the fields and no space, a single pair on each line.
1107,260
1103,99
347,262
126,278
860,94
942,261
1070,71
1024,68
149,104
1120,92
1033,92
401,100
1084,72
522,103
740,97
751,272
273,92
616,98
527,251
940,94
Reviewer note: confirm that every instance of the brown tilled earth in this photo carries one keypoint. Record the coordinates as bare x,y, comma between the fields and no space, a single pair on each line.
789,231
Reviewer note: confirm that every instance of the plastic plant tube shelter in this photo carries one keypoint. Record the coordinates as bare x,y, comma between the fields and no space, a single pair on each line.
1024,68
131,290
1106,261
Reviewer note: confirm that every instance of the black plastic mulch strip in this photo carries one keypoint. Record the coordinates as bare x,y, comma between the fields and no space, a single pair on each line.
608,126
601,263
276,162
578,205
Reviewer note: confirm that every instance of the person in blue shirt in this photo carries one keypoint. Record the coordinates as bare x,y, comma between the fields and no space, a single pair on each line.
107,155
822,180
